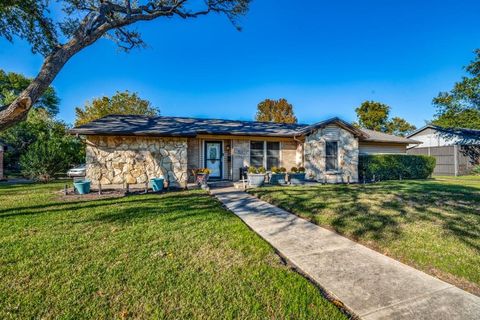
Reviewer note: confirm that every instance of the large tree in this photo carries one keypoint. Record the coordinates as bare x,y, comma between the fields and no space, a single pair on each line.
460,107
375,116
82,22
120,103
12,84
275,111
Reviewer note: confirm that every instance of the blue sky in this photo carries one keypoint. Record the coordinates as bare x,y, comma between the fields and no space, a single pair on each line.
325,57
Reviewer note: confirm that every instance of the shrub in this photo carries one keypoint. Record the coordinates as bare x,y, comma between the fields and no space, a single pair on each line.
283,169
294,170
476,170
275,170
301,169
254,170
47,157
395,166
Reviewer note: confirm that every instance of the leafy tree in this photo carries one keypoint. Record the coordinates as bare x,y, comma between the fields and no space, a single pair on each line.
82,23
399,126
12,84
120,103
375,116
275,111
460,107
39,125
50,155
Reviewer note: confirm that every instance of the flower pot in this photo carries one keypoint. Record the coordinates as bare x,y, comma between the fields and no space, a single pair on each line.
82,186
157,184
256,179
277,178
201,178
297,178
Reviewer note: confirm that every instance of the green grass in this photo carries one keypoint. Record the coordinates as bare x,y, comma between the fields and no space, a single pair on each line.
177,255
433,225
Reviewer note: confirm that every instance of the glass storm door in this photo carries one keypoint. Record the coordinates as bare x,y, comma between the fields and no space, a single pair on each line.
213,159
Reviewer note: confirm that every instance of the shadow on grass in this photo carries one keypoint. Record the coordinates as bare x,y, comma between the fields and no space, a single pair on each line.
380,211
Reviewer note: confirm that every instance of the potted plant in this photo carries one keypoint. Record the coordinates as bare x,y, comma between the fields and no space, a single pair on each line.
278,175
256,176
157,184
297,175
202,175
82,186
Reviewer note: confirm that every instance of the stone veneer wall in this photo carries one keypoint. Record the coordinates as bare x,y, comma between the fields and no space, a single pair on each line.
135,160
314,152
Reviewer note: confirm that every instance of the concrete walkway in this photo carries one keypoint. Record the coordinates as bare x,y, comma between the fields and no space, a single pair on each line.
370,284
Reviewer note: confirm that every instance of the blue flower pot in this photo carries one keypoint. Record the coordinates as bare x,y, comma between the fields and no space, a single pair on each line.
82,186
297,178
277,178
157,184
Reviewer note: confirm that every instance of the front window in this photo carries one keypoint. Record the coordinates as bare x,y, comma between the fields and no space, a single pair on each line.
331,155
256,154
264,154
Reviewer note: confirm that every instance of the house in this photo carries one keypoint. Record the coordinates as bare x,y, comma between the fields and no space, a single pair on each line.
457,150
132,149
3,147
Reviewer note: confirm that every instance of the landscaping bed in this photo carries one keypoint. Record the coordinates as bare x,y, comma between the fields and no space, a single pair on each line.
433,225
176,255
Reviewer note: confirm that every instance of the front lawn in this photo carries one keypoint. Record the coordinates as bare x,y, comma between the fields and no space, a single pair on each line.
433,225
177,255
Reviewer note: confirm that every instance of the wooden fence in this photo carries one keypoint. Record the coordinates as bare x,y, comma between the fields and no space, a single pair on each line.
451,160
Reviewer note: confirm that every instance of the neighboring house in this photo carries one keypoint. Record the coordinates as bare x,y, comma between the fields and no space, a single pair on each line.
457,150
133,149
3,147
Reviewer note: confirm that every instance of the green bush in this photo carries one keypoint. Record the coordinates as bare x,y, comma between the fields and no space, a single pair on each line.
381,167
476,170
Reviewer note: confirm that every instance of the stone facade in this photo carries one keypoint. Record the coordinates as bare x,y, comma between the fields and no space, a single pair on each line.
135,160
314,153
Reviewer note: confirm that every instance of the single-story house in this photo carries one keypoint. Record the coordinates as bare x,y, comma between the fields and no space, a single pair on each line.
457,150
3,147
133,149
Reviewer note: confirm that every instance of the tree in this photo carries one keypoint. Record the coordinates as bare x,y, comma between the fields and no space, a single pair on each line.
12,84
51,154
82,23
399,127
375,116
275,111
120,103
460,107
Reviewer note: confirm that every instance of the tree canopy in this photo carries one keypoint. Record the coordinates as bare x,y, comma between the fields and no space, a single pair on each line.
60,29
275,111
375,116
460,107
120,103
12,84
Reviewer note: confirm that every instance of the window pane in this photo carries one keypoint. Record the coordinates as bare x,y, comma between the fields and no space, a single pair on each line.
256,153
273,154
331,153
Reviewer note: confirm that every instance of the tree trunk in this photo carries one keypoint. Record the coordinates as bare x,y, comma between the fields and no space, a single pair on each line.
18,109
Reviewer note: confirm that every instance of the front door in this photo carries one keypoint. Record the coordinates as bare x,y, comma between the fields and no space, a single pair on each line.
213,158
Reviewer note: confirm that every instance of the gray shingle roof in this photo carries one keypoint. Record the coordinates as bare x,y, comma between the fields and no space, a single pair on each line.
376,136
191,127
183,127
